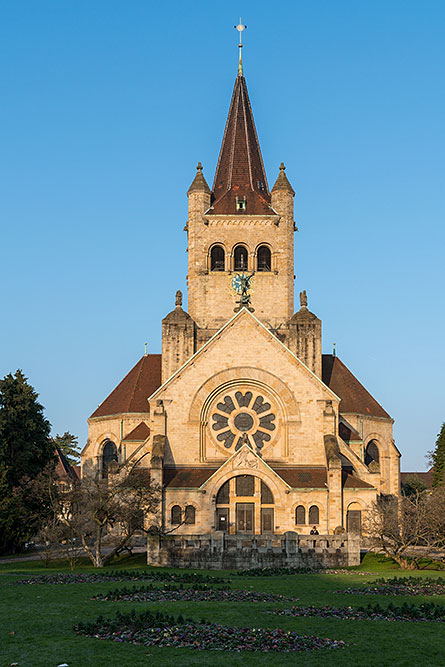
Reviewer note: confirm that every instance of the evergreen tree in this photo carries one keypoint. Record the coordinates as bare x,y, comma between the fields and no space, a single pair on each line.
439,459
69,446
26,451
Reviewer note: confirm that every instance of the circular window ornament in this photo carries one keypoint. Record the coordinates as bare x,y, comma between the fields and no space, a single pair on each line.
239,418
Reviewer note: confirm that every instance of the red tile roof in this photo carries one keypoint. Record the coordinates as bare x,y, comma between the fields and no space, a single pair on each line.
131,394
64,470
348,433
138,434
191,478
354,397
240,170
351,482
425,477
302,478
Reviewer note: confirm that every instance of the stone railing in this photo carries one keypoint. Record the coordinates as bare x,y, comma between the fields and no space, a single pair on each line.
222,551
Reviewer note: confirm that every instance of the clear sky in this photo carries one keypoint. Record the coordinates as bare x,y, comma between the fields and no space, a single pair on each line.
107,106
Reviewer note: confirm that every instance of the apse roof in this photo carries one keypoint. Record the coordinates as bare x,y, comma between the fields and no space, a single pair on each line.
354,397
131,394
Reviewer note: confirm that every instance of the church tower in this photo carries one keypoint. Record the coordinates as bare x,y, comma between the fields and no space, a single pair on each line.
240,227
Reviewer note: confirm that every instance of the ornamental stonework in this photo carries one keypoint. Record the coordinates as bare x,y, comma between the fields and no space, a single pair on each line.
243,416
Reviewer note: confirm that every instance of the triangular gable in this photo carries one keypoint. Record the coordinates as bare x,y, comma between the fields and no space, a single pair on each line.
248,459
241,314
138,434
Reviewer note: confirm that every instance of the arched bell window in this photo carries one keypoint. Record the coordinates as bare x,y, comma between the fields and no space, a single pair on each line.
372,456
240,258
109,456
300,515
264,258
176,515
217,258
314,515
189,514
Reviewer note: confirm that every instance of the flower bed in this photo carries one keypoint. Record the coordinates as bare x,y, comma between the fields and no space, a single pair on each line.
280,571
121,575
192,594
401,586
165,631
423,612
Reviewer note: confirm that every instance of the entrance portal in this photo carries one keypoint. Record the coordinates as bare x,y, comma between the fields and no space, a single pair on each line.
245,504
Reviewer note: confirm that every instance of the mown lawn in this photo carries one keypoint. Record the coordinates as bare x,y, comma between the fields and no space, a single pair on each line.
37,622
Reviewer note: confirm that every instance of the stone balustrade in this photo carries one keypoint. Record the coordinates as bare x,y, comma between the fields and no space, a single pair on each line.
222,551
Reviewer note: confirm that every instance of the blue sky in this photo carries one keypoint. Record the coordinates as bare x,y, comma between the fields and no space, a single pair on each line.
107,107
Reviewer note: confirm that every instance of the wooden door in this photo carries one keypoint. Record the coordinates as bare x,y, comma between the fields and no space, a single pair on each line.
245,518
222,519
267,520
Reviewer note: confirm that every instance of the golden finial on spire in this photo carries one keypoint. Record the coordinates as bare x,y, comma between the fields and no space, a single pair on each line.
240,27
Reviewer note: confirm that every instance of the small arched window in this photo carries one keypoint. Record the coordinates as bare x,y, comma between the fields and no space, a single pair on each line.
189,514
266,494
372,456
240,258
314,515
300,515
217,258
109,456
176,515
264,258
223,494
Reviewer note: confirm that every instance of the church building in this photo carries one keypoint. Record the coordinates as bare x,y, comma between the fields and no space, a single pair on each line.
243,422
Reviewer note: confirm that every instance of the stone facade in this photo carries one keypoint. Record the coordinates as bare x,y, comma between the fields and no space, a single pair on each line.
243,422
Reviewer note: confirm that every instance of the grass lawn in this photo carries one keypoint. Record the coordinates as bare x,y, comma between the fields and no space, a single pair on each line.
37,622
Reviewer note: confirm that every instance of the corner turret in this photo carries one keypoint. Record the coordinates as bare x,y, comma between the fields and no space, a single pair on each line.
178,336
305,336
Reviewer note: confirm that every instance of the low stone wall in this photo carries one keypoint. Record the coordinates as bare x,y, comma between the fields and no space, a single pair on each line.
219,551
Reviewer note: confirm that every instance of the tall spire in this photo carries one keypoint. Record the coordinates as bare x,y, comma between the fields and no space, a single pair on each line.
240,184
240,27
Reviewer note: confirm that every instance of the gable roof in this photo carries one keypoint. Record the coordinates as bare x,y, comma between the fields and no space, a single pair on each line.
64,469
242,313
240,170
132,392
354,397
138,434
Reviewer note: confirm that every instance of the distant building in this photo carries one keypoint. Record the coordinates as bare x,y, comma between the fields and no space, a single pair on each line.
247,426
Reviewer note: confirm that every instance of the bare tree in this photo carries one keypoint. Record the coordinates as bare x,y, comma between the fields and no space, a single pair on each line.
105,511
410,528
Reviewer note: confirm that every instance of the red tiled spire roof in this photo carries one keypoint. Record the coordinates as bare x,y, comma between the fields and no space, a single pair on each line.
131,394
240,170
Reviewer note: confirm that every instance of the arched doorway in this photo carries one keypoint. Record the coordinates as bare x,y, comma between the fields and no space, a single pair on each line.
245,504
354,519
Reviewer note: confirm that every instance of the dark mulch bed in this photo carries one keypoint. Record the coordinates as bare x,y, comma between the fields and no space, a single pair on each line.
401,586
166,631
120,575
423,612
173,593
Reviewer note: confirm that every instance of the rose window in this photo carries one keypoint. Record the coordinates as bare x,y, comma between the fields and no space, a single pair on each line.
243,418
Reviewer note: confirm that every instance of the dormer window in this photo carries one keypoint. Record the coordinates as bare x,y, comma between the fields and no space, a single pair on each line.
241,204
